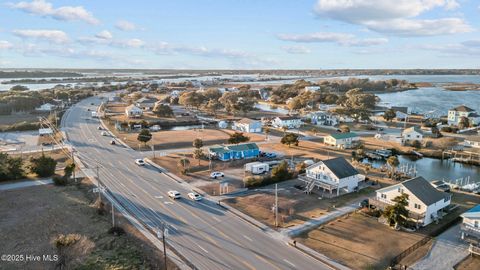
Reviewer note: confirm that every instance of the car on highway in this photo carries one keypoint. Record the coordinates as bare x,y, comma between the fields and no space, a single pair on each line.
139,162
112,142
194,196
104,133
174,194
99,128
214,175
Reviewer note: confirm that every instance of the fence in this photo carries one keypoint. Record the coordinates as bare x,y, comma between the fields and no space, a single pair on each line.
409,250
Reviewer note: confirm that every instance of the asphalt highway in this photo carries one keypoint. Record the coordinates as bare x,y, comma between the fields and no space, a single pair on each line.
209,236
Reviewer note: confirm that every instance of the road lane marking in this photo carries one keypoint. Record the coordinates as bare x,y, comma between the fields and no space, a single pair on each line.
168,202
217,219
287,261
159,197
248,238
202,248
267,261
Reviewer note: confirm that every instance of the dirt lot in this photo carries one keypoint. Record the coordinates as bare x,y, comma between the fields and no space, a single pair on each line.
359,242
6,120
33,217
470,263
295,207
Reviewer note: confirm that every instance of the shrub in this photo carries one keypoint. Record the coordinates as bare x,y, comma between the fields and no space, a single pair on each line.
116,231
253,181
43,166
66,240
59,180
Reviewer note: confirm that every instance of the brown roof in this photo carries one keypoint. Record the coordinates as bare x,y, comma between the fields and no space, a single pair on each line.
246,121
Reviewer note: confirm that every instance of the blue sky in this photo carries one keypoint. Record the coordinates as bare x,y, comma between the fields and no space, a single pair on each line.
240,34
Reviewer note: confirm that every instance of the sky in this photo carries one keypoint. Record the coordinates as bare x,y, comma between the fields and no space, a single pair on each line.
240,34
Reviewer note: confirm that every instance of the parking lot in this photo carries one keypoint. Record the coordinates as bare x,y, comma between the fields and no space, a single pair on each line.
19,141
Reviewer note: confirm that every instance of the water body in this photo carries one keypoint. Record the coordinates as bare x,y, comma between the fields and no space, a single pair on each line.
437,169
432,98
268,108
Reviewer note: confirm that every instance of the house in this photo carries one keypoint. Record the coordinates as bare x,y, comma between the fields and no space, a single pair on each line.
455,115
470,227
400,109
342,140
322,118
114,99
399,115
287,121
472,141
47,107
45,131
247,125
237,151
425,203
312,88
133,111
145,103
334,174
412,134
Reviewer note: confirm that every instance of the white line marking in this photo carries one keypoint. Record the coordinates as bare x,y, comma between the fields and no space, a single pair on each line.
168,202
217,219
175,228
202,248
159,197
287,261
248,238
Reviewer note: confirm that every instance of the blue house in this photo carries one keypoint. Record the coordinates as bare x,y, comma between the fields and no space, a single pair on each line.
237,151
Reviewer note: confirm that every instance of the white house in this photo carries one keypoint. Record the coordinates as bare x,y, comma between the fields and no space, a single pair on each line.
133,111
45,131
247,125
334,174
470,227
312,88
145,103
412,134
456,114
323,118
287,121
46,107
472,141
342,140
425,203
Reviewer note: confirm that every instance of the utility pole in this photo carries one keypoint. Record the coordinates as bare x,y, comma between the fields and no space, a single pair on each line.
153,150
113,215
276,205
74,167
164,230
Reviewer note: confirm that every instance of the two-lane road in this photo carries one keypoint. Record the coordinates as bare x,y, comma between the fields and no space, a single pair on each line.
207,235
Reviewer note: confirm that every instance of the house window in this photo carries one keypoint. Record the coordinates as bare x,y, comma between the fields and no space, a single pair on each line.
417,206
475,224
400,190
383,196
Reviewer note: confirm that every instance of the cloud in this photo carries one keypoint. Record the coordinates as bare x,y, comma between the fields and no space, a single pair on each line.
104,35
5,45
65,13
467,48
55,36
167,48
106,38
126,25
343,39
296,49
396,17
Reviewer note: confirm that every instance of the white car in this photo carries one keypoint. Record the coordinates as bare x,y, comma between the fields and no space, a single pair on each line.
194,196
174,194
139,162
104,133
214,175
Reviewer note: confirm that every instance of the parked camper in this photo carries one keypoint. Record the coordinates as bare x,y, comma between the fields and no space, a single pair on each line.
257,167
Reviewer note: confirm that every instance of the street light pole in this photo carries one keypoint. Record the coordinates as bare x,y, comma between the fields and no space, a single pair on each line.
276,206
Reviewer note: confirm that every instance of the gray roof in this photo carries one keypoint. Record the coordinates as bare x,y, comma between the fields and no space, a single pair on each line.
463,108
146,100
340,167
424,191
400,109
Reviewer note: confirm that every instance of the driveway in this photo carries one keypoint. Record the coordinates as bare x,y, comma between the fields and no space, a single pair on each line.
447,250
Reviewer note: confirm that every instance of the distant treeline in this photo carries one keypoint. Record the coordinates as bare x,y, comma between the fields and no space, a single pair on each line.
38,74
